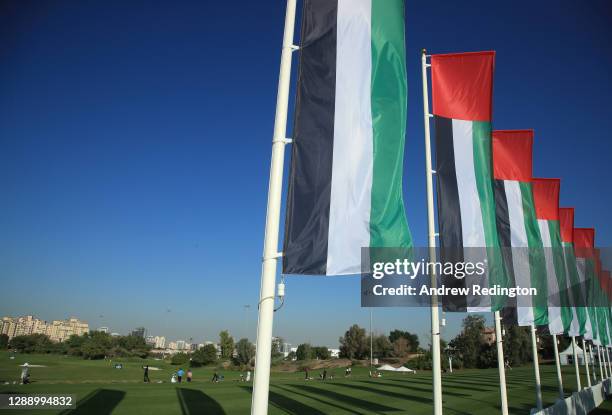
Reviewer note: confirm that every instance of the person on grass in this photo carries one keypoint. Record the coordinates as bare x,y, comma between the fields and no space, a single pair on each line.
146,374
189,375
25,374
180,374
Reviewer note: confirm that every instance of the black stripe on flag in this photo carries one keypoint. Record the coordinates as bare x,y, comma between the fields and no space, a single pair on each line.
308,199
502,221
449,212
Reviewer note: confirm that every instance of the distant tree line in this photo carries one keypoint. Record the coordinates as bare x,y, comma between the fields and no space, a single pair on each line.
92,345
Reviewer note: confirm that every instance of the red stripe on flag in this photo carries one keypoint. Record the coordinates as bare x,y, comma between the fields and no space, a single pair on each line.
566,222
546,198
462,85
512,155
584,242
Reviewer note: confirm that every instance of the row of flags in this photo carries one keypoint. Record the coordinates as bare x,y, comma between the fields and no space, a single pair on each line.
345,184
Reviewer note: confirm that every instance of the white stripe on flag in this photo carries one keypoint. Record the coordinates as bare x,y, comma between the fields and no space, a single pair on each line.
555,323
588,328
520,252
351,186
472,228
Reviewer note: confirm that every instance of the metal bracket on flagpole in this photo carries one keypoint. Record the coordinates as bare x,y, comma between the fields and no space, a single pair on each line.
433,171
282,140
273,256
294,48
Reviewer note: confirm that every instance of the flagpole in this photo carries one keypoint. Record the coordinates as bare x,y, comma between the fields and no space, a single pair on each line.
609,363
578,384
501,364
435,321
261,382
558,364
605,361
536,367
586,362
601,374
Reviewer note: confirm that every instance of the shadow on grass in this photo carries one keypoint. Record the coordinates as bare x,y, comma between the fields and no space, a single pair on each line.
315,398
98,402
194,401
409,385
350,400
291,406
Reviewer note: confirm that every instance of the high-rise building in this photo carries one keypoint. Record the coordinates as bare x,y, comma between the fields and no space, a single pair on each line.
160,342
138,332
103,329
150,340
58,330
180,345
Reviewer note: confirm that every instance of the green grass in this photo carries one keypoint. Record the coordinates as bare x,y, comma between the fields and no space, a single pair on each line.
100,389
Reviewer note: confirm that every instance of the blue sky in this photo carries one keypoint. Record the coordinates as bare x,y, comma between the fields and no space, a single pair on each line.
135,147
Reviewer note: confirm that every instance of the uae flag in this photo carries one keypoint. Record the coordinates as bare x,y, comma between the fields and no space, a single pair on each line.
546,199
599,292
584,243
462,86
566,221
607,286
518,226
345,185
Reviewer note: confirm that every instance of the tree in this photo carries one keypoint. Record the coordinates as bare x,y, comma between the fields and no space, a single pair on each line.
381,345
354,345
548,348
3,341
412,340
245,351
517,345
321,353
204,355
179,359
277,345
304,352
400,347
226,342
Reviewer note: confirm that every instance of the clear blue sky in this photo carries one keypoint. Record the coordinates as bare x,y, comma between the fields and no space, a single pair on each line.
135,146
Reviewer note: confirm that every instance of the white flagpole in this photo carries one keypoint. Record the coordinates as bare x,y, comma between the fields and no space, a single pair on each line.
501,368
586,362
578,385
558,364
601,373
261,382
605,360
435,321
609,363
536,367
604,353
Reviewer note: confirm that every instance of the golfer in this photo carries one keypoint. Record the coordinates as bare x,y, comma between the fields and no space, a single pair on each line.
146,374
180,374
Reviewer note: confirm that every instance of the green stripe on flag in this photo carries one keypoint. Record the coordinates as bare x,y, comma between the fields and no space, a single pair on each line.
483,171
554,230
388,223
572,268
537,263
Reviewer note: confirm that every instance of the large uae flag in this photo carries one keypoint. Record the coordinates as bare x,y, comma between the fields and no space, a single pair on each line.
345,185
566,221
584,244
517,224
462,86
546,198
